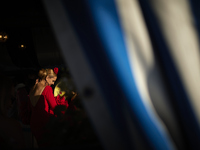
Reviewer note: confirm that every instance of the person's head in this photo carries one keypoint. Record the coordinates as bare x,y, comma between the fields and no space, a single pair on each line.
48,75
51,77
6,94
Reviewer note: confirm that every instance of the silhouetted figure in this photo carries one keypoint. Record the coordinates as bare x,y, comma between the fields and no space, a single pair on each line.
11,135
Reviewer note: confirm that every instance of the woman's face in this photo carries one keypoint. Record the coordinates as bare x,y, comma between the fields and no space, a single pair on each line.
51,80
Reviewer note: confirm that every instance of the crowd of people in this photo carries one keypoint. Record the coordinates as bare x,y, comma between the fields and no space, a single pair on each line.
53,121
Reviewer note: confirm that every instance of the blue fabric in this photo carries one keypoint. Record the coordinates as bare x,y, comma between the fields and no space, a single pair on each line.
97,25
80,17
108,25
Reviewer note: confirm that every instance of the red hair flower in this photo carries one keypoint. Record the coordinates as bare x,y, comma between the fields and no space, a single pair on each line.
55,70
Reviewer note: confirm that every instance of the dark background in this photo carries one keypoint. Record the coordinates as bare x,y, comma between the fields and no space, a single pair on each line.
26,22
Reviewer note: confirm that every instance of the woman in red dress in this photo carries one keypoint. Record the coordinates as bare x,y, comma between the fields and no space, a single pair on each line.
42,104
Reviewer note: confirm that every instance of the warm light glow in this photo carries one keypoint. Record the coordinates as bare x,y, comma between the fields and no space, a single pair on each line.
22,46
3,37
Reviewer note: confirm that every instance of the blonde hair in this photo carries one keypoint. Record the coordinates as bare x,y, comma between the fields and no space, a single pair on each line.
51,73
43,73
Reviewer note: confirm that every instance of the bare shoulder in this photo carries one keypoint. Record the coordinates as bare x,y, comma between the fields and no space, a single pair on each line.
37,90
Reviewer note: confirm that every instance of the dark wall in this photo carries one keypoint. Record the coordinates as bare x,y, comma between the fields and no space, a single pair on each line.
26,22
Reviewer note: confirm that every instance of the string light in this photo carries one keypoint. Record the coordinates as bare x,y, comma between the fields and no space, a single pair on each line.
3,37
22,46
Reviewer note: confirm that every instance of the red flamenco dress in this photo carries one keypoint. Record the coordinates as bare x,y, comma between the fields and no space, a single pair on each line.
41,113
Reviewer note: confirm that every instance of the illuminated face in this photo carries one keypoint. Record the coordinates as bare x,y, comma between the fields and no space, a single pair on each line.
51,80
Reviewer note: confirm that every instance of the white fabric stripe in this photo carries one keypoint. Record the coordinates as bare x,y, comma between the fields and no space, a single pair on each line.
142,61
177,24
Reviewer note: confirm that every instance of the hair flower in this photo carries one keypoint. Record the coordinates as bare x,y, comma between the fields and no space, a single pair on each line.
55,70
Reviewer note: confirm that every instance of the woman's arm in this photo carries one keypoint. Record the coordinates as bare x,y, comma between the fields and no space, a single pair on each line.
50,98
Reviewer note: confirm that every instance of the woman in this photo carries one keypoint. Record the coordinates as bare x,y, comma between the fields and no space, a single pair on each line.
42,104
11,135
